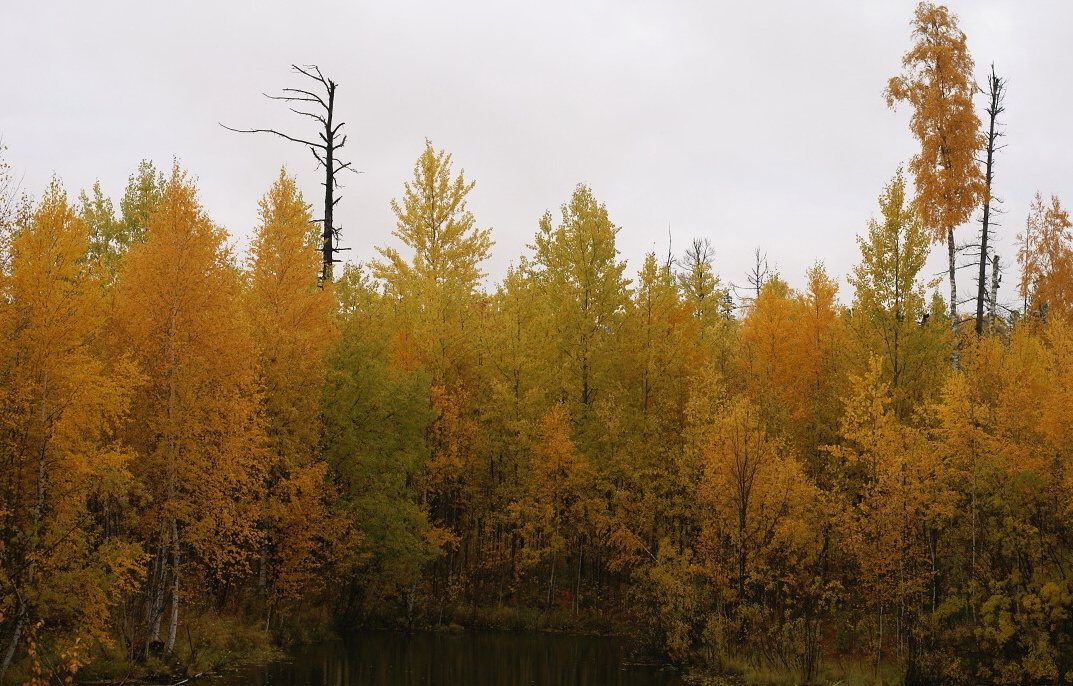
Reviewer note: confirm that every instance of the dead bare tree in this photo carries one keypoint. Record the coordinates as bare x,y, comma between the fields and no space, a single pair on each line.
325,149
995,90
758,275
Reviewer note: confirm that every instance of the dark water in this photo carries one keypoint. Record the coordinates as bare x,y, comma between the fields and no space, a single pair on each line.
466,659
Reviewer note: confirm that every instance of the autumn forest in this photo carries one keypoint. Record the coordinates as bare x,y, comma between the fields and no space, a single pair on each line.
204,454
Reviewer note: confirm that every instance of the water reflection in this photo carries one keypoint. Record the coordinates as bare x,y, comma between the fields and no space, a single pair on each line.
472,659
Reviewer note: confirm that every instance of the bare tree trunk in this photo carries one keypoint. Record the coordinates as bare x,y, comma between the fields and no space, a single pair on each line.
879,644
972,505
39,512
173,621
155,597
951,251
994,108
982,280
411,600
758,274
16,635
262,572
577,586
951,254
995,279
551,583
173,534
325,150
328,228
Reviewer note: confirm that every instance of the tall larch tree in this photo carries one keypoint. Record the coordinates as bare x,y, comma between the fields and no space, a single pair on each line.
437,308
660,358
897,505
576,266
764,350
437,285
179,315
292,318
582,298
510,404
938,84
818,360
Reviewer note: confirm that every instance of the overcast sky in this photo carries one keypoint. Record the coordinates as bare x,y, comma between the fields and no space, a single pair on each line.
752,124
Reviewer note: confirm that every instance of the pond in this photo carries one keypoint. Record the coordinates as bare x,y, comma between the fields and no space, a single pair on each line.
470,659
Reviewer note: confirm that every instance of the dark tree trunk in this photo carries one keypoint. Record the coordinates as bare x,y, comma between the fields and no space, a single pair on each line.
996,87
325,150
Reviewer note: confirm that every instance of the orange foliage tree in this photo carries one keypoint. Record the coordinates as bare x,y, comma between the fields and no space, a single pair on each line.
179,315
61,473
558,508
939,85
1045,256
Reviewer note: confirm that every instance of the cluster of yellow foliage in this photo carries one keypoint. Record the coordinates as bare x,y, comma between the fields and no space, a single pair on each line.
160,412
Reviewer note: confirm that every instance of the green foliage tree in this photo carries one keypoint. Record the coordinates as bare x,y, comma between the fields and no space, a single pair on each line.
437,310
890,315
145,189
376,412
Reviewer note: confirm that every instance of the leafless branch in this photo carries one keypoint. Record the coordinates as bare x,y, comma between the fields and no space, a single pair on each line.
282,135
310,114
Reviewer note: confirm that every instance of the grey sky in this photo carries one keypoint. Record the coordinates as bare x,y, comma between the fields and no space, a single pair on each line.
749,123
